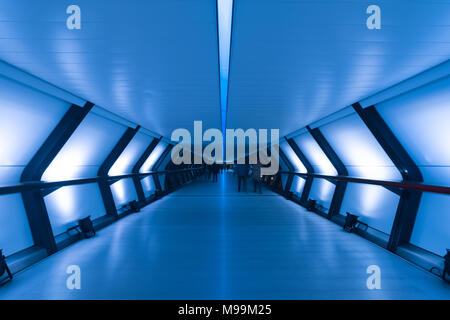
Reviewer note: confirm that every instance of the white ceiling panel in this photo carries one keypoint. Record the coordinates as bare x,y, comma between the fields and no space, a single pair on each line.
152,62
294,61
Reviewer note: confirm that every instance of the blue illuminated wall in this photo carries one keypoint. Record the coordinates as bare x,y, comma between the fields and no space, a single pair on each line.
86,149
81,157
27,117
162,167
321,190
124,190
67,205
129,157
148,183
297,182
154,156
363,157
15,233
420,120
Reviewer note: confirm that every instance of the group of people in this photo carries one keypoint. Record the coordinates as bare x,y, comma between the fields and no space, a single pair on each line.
243,171
213,171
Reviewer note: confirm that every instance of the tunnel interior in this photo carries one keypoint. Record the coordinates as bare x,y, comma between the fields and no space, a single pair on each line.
142,116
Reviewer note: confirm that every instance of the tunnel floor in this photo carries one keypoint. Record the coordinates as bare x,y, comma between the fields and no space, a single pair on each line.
207,241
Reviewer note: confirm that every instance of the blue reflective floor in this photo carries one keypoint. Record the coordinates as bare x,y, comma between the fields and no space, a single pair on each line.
206,241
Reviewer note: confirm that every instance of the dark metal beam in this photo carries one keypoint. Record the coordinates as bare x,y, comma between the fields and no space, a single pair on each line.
136,179
103,184
33,200
309,168
118,149
409,199
158,164
340,187
287,187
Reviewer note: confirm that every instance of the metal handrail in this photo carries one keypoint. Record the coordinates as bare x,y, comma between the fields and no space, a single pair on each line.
33,185
384,183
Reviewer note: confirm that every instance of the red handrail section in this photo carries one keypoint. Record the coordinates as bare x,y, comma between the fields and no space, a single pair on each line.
393,184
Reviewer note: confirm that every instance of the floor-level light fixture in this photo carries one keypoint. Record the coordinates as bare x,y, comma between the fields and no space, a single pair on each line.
446,271
3,266
311,205
134,206
351,221
86,227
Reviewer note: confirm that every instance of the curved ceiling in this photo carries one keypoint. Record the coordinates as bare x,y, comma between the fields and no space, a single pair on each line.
153,62
156,62
296,61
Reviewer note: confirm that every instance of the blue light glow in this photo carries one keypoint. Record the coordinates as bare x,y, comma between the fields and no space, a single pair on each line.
27,118
148,185
420,120
154,156
359,150
375,205
315,155
67,205
86,149
225,12
124,164
322,191
294,160
123,192
15,233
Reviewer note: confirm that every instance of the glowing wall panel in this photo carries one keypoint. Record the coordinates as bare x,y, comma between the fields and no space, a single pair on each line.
297,183
68,204
359,150
123,192
431,230
322,191
154,156
363,157
15,233
290,154
314,154
148,185
420,120
131,154
162,167
27,117
86,149
375,205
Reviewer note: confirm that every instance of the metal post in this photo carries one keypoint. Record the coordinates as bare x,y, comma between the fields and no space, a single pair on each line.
339,190
158,164
136,179
287,187
409,199
33,201
103,184
309,168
